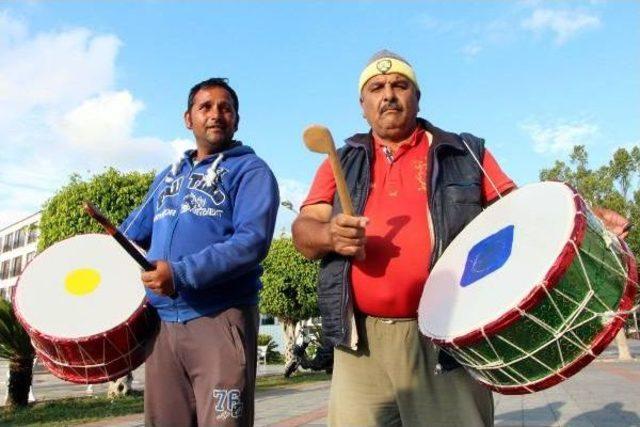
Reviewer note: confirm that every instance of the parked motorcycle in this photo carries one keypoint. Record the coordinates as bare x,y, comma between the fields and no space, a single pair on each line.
322,361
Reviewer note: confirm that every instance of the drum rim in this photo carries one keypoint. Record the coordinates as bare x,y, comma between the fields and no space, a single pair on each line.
599,343
540,291
142,307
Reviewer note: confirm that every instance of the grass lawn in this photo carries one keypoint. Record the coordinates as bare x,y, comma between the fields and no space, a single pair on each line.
270,381
63,412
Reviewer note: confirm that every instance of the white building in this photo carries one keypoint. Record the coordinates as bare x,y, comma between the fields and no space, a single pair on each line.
271,326
18,244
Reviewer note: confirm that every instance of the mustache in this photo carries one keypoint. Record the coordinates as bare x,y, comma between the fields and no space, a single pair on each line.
391,105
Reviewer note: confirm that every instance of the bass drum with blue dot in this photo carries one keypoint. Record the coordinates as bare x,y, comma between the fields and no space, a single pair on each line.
531,291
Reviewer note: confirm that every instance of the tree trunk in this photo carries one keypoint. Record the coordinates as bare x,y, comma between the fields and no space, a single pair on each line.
120,387
20,377
623,346
290,328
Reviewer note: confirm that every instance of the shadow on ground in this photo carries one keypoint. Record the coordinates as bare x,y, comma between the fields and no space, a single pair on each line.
610,415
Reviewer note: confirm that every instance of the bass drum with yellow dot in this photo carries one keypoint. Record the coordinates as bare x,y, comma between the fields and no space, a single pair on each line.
82,303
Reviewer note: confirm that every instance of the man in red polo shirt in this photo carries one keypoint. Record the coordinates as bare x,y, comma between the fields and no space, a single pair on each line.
375,264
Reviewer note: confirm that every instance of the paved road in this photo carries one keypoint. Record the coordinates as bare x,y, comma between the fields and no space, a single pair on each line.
605,394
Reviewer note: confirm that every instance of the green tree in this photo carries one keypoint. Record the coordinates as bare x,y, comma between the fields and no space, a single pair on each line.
115,193
613,186
289,291
15,346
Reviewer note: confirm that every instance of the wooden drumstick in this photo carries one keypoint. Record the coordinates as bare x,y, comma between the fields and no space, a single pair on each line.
318,139
95,213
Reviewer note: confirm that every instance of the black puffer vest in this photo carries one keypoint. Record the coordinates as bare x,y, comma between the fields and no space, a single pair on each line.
454,196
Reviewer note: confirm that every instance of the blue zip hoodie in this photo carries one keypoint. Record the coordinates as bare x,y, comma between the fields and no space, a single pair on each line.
213,222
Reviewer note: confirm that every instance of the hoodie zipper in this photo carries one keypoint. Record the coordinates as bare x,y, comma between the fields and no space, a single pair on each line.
167,251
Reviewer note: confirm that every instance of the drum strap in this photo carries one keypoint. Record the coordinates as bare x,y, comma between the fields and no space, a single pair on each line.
493,184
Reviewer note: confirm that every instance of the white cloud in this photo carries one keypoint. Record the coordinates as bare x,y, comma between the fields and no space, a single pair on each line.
100,131
54,70
564,23
61,113
508,26
559,137
472,49
101,123
179,146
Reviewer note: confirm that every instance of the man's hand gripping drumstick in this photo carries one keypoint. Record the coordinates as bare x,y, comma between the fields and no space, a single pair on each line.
346,232
613,221
158,277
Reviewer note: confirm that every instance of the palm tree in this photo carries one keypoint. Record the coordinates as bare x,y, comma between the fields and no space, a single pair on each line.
15,346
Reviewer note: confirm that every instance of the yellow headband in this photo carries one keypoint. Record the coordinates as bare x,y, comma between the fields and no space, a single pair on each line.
387,66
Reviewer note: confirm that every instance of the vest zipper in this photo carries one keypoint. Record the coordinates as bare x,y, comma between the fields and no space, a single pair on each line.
346,279
432,235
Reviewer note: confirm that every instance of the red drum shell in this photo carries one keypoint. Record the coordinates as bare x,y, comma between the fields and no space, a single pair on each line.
97,358
101,357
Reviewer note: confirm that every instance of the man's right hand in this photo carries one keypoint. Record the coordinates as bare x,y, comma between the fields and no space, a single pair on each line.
316,232
347,235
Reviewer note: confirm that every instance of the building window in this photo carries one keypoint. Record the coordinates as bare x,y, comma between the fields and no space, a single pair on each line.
16,266
267,320
4,270
33,233
30,256
20,238
8,242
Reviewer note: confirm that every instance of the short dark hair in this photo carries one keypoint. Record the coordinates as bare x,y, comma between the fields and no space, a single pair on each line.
214,82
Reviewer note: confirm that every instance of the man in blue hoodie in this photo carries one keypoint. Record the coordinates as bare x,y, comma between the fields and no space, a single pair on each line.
206,223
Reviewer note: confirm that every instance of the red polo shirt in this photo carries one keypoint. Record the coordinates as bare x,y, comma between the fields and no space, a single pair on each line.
389,281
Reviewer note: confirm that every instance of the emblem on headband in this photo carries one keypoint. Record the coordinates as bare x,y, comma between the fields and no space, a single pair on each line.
383,65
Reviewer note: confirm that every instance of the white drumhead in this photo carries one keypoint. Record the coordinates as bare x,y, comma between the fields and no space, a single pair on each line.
79,287
496,261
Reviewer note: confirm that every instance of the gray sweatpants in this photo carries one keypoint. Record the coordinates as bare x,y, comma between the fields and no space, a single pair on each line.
203,372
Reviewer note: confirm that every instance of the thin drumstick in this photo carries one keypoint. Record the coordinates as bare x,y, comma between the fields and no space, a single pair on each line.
95,213
318,139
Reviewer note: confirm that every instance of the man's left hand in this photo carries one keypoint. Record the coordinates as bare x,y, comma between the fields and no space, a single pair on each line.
614,222
160,280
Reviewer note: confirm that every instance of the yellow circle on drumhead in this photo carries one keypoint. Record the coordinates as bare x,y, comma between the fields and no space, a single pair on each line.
82,281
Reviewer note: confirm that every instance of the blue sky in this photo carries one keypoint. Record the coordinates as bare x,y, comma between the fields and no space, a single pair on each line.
88,84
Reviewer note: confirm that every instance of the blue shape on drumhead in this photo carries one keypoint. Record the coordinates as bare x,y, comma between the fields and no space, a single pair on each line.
487,256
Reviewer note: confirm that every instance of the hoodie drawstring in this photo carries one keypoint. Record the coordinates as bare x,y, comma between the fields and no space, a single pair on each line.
212,173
